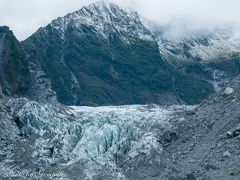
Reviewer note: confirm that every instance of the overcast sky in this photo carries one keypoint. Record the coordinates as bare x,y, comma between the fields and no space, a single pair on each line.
24,17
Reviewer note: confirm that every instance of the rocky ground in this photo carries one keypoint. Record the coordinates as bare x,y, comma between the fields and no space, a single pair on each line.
207,146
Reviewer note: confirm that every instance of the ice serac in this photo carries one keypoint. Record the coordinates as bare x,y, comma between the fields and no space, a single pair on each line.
103,54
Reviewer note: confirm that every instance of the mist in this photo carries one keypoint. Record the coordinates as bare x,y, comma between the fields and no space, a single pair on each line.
24,17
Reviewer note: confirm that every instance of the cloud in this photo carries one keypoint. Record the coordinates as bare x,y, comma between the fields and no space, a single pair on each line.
25,16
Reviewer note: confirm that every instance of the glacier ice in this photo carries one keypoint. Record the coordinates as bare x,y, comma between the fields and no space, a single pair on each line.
57,135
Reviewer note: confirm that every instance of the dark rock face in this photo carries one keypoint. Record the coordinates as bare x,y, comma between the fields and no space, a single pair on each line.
13,64
20,74
103,55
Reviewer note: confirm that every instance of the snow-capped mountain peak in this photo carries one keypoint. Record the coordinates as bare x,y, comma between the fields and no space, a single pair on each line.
104,18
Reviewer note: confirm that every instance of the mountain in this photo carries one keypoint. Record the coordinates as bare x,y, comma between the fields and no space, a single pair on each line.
103,55
212,54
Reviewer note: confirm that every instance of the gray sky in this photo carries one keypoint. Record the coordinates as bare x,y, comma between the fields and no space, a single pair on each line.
24,17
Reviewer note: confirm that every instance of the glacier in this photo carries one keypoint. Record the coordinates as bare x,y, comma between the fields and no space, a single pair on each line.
93,138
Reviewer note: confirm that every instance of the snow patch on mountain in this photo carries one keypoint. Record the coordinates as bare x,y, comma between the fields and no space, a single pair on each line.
184,43
219,79
217,49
